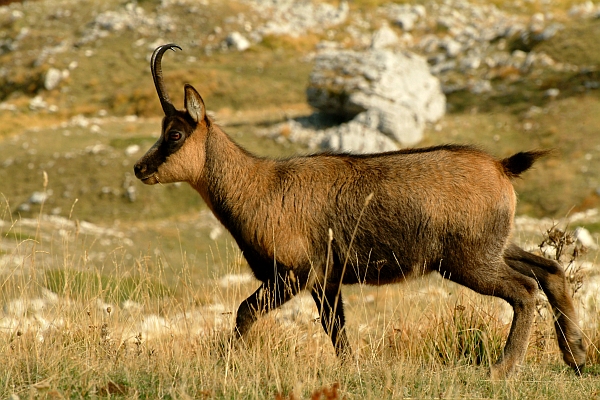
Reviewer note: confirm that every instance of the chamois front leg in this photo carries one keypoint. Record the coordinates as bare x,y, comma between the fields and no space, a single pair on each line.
267,297
331,312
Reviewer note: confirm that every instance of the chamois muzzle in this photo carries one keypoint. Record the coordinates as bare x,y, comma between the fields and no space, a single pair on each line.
156,69
141,171
145,169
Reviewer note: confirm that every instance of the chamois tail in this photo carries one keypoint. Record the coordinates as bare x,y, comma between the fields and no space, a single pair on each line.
516,164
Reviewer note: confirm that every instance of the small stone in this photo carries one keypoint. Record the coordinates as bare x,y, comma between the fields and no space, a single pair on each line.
25,207
519,56
37,103
481,86
131,193
16,14
132,149
237,41
582,10
584,237
536,23
97,148
471,62
384,37
552,93
38,197
406,21
215,232
53,78
419,10
452,47
442,67
549,32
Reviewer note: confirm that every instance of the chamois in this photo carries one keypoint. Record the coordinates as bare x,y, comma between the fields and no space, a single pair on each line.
319,221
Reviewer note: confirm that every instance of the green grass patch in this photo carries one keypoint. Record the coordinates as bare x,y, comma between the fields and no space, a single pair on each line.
576,44
468,338
17,236
124,142
84,284
592,227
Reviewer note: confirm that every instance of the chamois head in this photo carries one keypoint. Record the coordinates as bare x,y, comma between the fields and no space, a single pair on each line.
174,158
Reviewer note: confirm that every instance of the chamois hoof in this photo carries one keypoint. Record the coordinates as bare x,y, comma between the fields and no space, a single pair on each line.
579,369
575,357
502,372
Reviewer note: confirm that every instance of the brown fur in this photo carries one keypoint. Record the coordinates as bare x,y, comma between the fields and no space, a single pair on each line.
445,209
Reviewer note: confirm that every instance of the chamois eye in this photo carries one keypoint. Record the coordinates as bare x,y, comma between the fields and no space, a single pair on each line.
174,136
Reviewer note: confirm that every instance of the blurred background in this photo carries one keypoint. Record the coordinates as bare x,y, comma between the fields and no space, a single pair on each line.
78,108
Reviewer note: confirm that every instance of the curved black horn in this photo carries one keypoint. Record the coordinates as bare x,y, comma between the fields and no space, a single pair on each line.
156,69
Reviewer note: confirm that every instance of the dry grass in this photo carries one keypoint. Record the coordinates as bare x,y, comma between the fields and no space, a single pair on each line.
428,338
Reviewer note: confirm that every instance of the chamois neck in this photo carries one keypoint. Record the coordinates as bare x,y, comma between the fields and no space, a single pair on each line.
229,171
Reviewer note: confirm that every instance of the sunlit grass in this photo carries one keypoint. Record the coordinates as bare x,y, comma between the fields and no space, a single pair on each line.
133,332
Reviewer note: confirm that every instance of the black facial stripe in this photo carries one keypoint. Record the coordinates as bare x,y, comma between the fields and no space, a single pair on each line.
173,146
156,156
163,148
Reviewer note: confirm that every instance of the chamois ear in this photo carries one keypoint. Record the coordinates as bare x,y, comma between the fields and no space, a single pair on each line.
194,105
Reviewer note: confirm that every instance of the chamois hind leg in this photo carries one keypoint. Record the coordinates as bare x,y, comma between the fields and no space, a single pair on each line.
496,278
267,297
331,312
551,278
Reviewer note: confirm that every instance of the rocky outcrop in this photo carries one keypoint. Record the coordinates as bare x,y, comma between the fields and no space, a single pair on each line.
396,88
131,17
361,135
295,18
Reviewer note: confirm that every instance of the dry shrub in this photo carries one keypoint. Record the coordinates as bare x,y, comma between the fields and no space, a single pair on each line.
561,245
